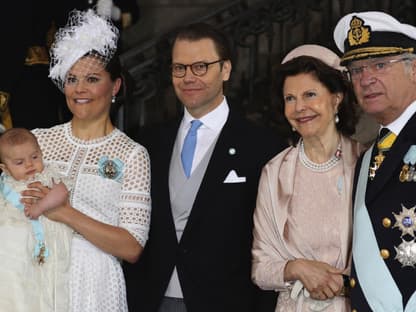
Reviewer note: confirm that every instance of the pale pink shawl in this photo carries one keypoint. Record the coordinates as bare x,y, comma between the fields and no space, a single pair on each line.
270,249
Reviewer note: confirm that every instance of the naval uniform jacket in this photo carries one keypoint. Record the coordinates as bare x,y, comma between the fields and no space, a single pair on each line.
384,196
213,256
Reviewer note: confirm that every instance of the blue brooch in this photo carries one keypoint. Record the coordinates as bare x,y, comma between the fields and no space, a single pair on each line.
407,174
110,168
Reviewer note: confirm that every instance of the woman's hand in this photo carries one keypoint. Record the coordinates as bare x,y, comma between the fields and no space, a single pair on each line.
322,280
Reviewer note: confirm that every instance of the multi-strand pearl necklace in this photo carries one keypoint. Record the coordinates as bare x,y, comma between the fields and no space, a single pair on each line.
332,162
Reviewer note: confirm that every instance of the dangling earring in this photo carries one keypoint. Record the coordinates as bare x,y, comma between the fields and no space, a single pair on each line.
336,118
113,99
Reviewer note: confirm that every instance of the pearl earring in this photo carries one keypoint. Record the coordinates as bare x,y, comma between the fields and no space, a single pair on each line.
293,129
113,99
336,118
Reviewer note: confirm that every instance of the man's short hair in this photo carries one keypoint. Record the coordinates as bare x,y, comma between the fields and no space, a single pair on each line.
198,31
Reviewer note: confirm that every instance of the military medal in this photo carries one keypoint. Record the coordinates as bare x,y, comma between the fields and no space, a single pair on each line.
406,253
411,176
372,172
406,221
383,146
378,159
404,173
407,174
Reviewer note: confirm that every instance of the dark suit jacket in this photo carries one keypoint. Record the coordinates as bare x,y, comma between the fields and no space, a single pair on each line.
384,197
213,257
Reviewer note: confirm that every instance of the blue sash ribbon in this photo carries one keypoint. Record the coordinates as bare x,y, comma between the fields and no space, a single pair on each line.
40,252
378,285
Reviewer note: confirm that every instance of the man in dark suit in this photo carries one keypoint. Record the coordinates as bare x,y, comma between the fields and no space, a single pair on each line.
198,256
379,54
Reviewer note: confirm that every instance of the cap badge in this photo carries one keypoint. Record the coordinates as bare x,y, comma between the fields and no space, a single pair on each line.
358,34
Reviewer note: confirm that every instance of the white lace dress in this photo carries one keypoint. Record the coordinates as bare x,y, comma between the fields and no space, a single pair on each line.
25,284
111,183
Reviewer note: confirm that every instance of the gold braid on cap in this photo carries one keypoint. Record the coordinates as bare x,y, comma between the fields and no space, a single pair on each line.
373,51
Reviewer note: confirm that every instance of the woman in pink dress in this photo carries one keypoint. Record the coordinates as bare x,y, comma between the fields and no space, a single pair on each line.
302,234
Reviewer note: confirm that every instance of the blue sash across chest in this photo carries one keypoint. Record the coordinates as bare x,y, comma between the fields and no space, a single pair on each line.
40,252
371,269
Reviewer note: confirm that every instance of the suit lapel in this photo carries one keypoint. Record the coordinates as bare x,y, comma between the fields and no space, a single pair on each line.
160,165
393,159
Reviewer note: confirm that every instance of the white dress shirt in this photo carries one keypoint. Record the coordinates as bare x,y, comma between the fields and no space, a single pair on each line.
212,124
397,125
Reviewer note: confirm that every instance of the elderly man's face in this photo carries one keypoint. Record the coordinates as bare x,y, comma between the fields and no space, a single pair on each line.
384,86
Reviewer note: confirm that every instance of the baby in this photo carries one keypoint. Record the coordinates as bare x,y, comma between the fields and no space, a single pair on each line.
21,160
35,251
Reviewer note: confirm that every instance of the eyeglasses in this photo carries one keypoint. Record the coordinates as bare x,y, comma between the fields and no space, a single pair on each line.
198,69
377,67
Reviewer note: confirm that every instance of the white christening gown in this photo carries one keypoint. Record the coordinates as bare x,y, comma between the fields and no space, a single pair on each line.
26,283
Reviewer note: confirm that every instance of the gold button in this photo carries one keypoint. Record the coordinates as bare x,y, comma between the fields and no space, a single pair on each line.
353,310
386,222
352,282
385,254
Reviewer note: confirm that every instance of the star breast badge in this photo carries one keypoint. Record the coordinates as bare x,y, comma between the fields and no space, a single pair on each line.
406,251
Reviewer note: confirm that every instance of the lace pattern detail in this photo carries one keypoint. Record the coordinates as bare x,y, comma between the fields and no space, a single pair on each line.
78,159
124,202
47,177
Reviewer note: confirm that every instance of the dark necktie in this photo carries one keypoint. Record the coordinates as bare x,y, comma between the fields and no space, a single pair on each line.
384,142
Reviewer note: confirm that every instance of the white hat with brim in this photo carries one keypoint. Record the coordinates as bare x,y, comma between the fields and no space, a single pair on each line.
370,34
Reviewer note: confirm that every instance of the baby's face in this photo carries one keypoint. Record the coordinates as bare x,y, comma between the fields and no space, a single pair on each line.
23,161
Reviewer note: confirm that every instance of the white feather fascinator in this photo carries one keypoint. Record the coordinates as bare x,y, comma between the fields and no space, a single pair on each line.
85,32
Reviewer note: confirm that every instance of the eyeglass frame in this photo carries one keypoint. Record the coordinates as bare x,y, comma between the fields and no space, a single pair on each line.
206,64
373,67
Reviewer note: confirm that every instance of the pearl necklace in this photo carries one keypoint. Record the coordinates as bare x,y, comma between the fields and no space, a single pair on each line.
326,166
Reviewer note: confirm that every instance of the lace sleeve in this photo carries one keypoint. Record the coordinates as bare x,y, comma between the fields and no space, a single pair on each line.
135,195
